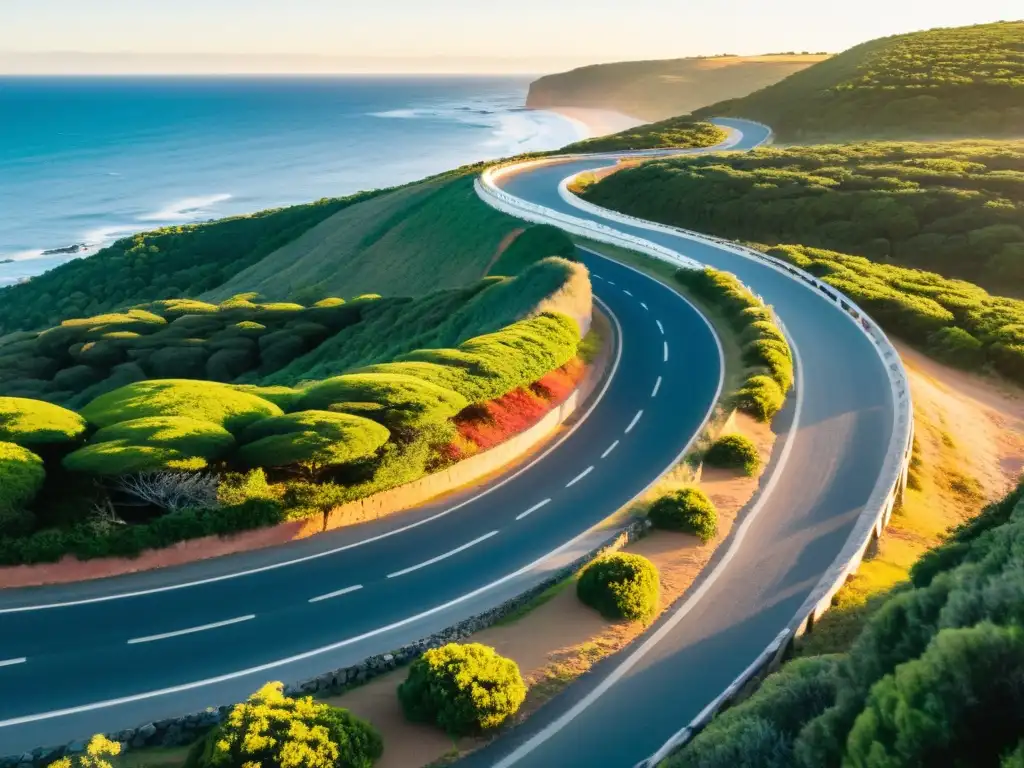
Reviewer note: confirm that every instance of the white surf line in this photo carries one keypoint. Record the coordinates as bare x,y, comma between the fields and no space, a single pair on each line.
657,386
642,304
681,612
445,556
337,593
580,476
665,360
533,509
314,652
610,448
12,662
274,566
191,630
634,421
660,327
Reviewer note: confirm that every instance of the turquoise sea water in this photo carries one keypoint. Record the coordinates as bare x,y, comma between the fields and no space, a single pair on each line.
84,161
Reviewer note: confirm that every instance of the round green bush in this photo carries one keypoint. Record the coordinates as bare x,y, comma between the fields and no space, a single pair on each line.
761,397
271,729
404,402
32,423
621,586
203,400
734,452
318,438
464,689
957,347
688,510
21,476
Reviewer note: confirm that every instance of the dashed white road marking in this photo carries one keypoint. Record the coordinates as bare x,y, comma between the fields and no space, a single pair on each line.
626,292
657,386
644,305
190,630
610,282
634,421
533,509
660,327
439,558
580,476
665,359
610,448
337,593
596,275
12,662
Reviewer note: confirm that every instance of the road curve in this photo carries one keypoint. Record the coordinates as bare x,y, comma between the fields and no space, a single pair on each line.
831,457
114,654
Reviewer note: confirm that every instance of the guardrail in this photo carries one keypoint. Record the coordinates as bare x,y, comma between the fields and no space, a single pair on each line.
892,479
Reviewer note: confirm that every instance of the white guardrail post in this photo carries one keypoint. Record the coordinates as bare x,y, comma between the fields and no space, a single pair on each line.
892,479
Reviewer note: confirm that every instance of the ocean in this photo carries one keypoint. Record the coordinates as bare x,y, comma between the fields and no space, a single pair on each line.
85,161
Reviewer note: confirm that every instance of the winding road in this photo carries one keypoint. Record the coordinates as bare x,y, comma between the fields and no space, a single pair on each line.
114,654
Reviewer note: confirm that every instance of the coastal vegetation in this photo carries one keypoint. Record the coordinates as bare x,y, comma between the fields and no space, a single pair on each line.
961,81
931,678
463,689
956,208
141,465
687,510
660,89
734,451
676,132
273,729
621,586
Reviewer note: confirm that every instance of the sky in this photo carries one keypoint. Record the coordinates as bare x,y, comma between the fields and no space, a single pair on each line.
472,36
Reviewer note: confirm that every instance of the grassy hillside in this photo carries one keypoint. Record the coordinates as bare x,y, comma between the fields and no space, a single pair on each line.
963,81
164,264
678,132
242,340
954,208
655,90
933,678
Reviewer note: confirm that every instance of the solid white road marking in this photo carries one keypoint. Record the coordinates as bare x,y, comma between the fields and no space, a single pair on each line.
626,292
190,630
580,476
337,593
611,448
445,556
665,360
533,509
388,534
634,421
12,662
660,327
643,305
657,386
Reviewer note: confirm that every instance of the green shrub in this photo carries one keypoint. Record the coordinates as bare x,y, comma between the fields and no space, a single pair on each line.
239,487
314,438
151,444
621,586
34,423
271,729
203,400
96,751
463,689
957,347
734,452
688,510
21,478
402,402
760,396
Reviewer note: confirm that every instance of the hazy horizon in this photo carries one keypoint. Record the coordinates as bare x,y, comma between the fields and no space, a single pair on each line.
61,37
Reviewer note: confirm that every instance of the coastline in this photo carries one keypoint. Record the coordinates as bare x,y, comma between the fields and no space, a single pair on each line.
596,122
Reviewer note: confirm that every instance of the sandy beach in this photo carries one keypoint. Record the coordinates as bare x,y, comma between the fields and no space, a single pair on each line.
597,122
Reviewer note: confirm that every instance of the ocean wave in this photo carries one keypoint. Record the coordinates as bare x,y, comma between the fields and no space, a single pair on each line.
28,255
186,209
